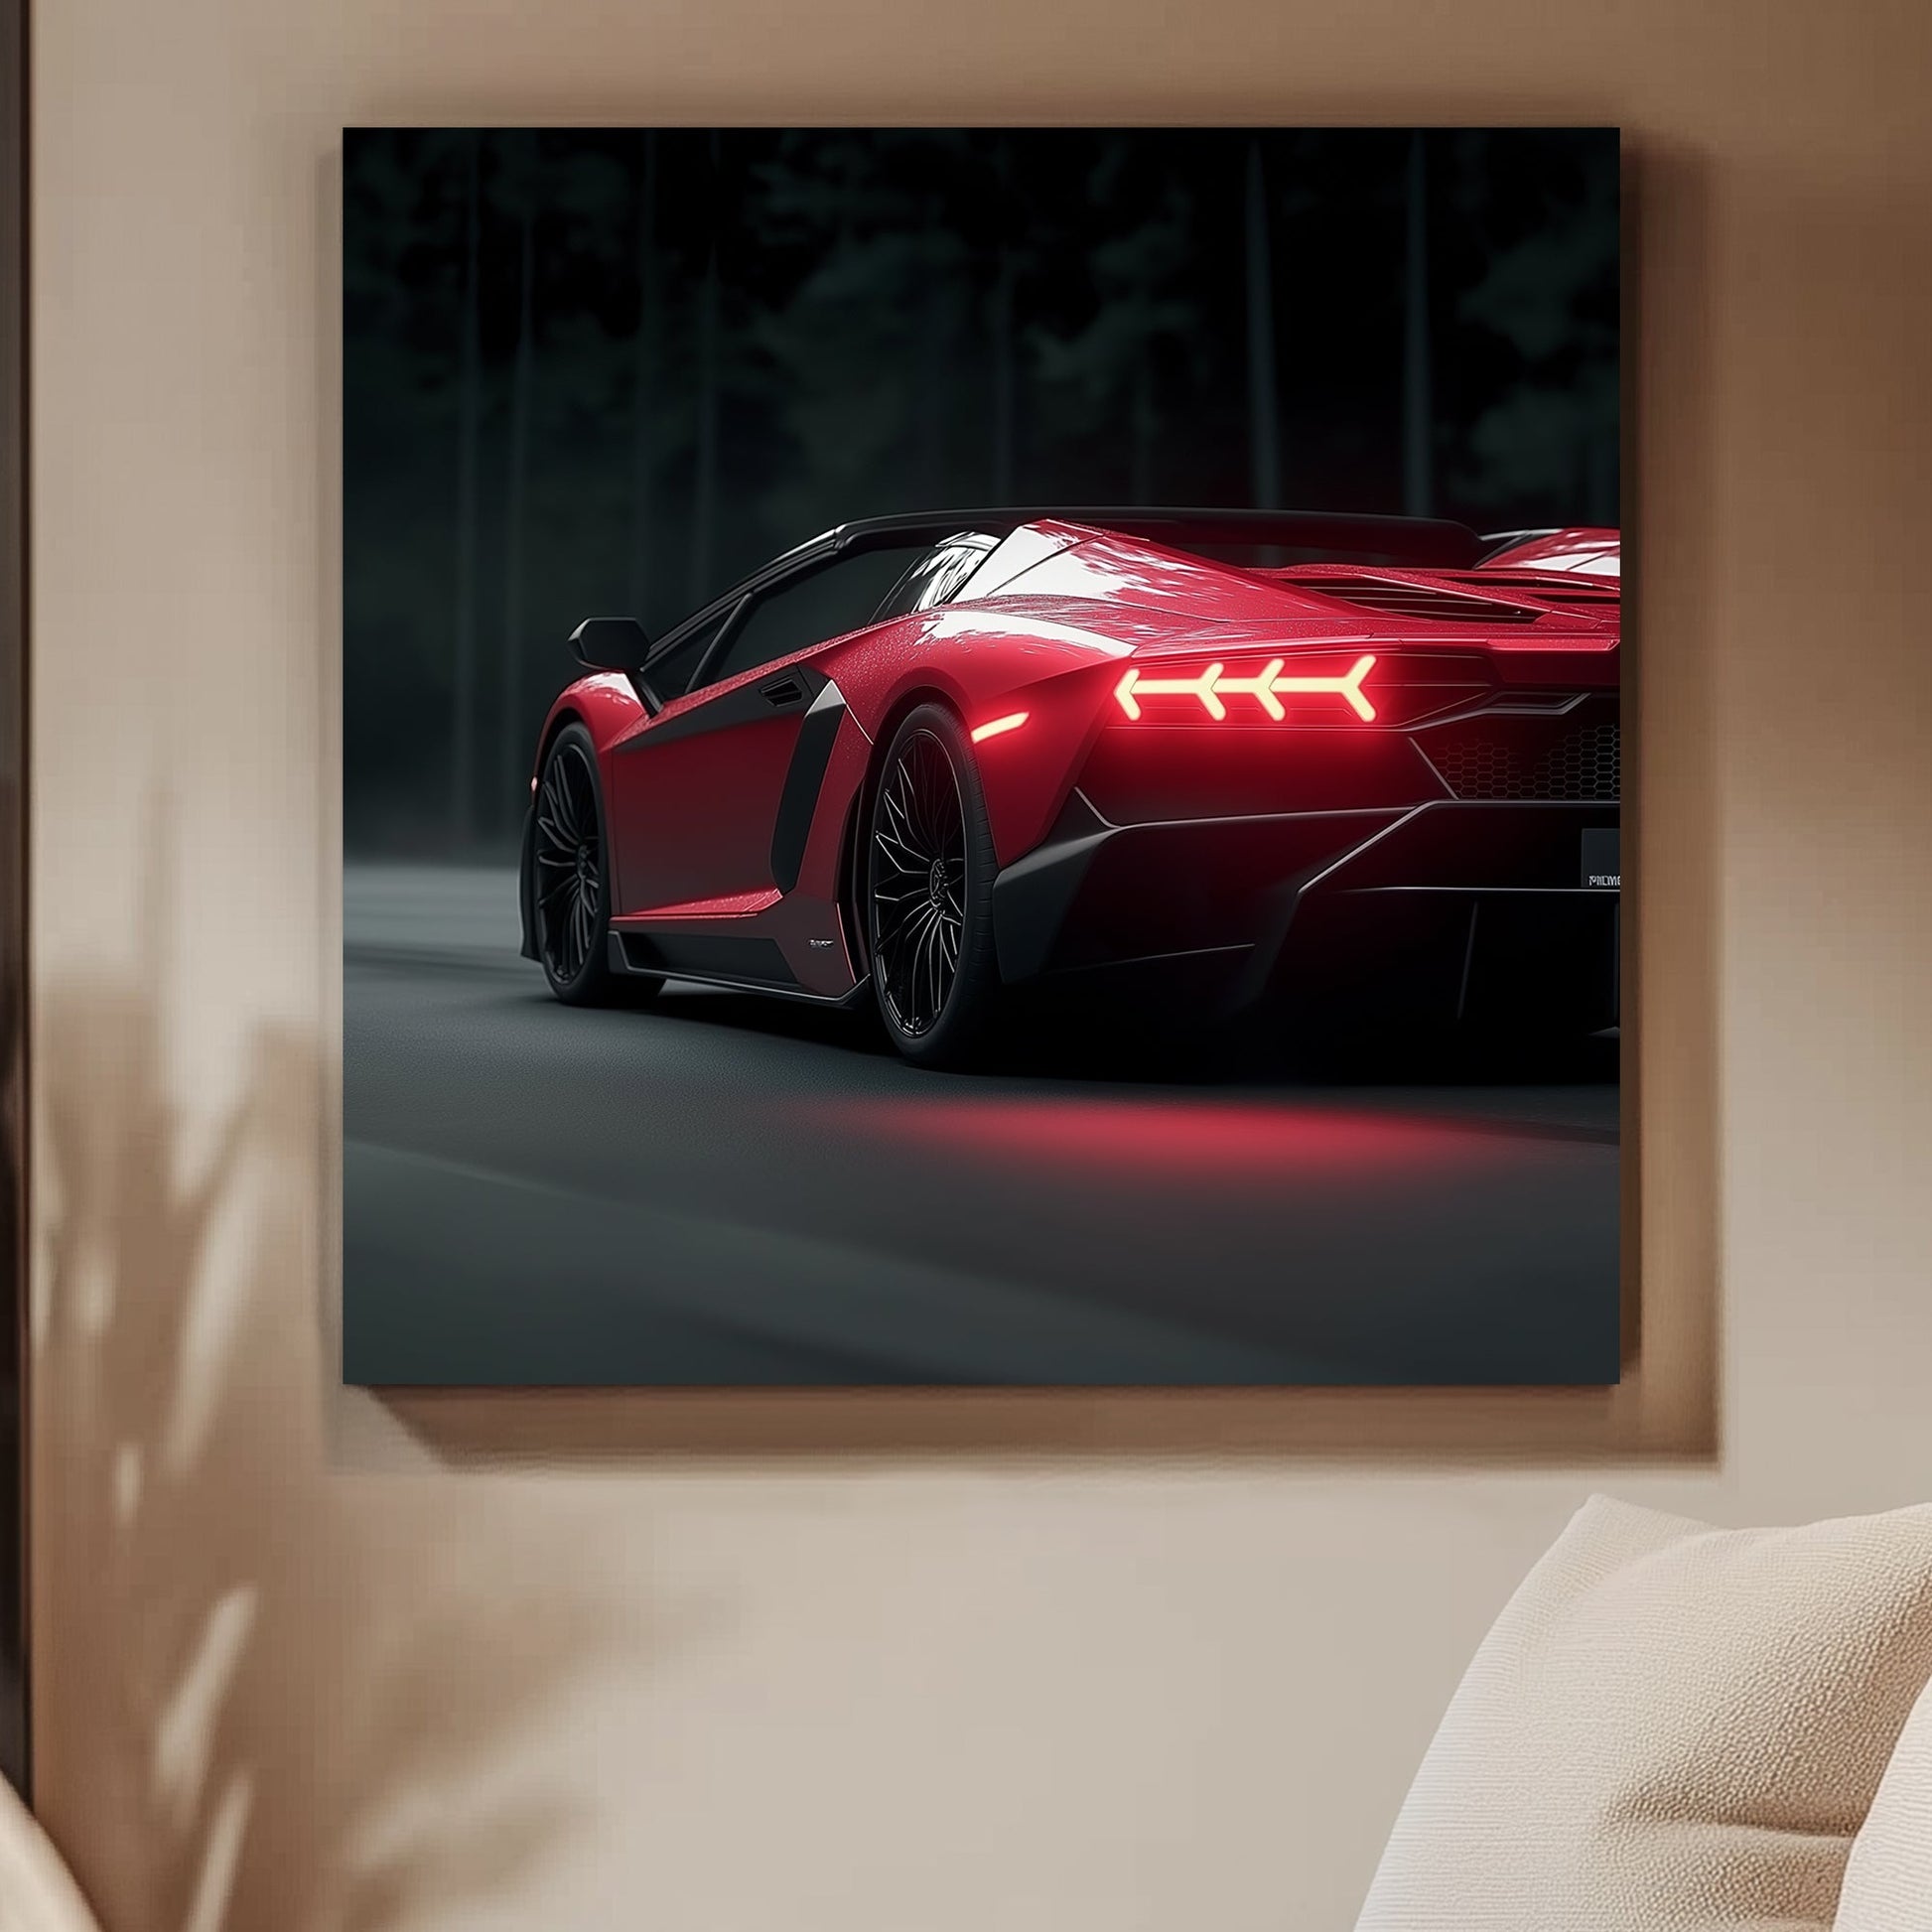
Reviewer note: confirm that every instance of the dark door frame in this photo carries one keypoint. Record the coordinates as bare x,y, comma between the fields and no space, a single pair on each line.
14,1118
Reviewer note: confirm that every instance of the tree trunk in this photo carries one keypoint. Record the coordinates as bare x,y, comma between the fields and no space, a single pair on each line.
1145,423
932,367
462,757
1002,376
1417,407
1264,412
1603,504
643,412
704,483
1005,280
516,747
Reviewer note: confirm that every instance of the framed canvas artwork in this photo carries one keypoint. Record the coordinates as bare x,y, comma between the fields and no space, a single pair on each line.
981,756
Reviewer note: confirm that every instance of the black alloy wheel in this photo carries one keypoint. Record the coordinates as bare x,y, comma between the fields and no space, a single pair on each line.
929,874
570,891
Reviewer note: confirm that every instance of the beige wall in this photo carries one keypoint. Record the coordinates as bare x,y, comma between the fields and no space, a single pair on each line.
305,1661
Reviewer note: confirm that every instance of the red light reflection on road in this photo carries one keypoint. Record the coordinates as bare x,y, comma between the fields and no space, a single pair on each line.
1147,1135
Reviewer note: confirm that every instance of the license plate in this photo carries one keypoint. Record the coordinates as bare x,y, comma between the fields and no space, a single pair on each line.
1601,871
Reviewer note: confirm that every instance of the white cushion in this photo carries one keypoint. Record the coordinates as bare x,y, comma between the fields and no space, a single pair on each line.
1671,1727
1888,1882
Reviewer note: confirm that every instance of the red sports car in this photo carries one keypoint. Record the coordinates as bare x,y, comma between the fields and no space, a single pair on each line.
1202,757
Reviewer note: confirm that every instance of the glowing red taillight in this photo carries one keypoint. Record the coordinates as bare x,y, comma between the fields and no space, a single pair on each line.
1212,687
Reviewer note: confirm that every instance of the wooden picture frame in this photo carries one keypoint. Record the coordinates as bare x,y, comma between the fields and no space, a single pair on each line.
14,266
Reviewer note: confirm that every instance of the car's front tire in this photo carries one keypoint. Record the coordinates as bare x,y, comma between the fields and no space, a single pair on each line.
570,862
928,876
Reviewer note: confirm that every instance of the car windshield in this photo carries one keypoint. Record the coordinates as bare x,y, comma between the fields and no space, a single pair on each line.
937,575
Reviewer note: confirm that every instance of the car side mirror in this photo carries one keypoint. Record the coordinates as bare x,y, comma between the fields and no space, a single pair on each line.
610,644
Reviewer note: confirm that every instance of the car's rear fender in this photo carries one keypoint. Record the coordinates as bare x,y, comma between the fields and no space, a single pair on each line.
1058,686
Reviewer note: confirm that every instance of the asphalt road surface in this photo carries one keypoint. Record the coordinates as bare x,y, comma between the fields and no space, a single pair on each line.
721,1189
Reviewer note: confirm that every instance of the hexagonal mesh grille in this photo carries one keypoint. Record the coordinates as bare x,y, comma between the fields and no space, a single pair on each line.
1585,763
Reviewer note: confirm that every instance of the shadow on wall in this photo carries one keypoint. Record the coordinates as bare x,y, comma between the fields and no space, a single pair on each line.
280,1686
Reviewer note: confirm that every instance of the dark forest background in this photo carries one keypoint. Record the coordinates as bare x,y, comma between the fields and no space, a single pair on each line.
597,372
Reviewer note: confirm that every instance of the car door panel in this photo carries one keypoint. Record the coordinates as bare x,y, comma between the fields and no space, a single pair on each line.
697,789
708,805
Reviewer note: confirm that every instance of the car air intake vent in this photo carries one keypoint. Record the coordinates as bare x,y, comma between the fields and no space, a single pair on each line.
1490,760
1399,600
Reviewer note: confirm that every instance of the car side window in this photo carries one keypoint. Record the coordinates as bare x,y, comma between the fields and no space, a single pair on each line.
937,575
805,611
668,675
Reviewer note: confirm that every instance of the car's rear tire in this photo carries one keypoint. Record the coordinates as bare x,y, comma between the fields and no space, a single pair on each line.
570,862
927,885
